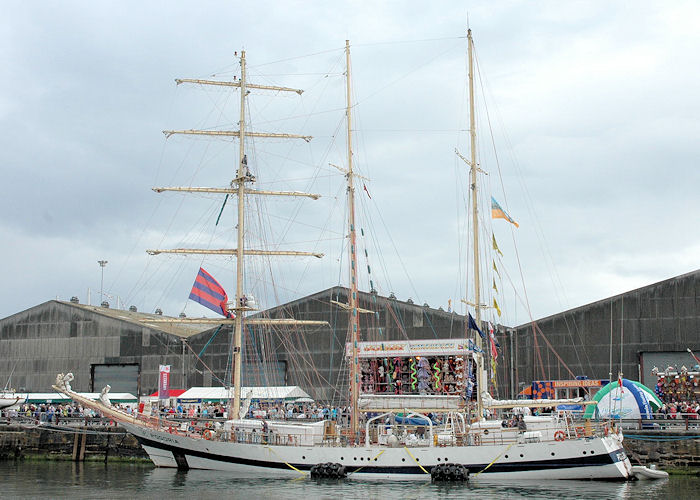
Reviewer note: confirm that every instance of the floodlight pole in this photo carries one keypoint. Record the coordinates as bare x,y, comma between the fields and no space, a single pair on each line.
102,264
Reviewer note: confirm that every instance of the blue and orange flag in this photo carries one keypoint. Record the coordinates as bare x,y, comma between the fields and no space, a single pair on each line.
208,292
498,213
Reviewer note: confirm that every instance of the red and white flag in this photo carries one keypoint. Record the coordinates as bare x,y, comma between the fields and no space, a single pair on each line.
494,344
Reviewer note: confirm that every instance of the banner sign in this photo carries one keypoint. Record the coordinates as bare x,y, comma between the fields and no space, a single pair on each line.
164,382
448,347
560,384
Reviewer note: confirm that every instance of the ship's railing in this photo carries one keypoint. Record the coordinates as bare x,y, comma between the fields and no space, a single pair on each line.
439,435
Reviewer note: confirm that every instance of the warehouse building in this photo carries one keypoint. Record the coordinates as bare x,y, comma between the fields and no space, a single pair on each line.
124,349
97,344
650,326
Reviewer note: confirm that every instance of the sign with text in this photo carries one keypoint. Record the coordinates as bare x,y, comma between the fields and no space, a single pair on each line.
441,347
164,382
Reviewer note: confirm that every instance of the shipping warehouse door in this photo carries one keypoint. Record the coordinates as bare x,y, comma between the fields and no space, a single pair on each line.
121,377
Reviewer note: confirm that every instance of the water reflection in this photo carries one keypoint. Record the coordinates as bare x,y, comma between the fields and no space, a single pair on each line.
97,480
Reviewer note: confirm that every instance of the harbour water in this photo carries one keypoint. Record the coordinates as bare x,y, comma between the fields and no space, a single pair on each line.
96,480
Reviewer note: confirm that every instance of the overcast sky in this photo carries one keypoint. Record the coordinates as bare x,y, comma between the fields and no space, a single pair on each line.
593,109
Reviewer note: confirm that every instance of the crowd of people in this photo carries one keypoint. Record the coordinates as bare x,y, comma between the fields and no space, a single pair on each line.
676,410
54,413
294,411
51,413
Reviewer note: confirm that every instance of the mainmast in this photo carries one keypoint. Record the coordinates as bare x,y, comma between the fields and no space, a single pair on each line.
354,322
481,372
239,182
238,187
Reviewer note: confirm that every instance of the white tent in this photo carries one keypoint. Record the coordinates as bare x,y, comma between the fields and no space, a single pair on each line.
58,398
286,393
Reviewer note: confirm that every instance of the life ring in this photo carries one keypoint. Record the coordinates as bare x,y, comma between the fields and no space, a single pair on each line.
580,432
559,436
208,434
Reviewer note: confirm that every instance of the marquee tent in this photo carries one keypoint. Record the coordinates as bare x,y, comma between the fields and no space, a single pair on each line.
58,398
278,393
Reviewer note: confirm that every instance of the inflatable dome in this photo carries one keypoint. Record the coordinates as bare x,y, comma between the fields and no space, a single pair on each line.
634,401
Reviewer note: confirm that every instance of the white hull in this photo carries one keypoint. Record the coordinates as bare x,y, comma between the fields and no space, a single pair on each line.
8,401
594,458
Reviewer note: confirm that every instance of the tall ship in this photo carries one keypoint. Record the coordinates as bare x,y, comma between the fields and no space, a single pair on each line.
418,409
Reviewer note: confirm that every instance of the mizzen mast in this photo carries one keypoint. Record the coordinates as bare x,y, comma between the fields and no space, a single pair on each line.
480,370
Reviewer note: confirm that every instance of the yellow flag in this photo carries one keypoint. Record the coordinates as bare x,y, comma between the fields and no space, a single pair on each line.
496,269
495,245
495,306
493,372
494,285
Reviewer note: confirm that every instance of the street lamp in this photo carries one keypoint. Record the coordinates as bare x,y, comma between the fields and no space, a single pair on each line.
102,264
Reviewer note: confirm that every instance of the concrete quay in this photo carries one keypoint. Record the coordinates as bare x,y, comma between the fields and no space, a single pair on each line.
77,443
674,450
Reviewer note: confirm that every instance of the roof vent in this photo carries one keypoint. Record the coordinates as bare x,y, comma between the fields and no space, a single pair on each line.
74,300
183,315
159,311
409,301
132,309
105,304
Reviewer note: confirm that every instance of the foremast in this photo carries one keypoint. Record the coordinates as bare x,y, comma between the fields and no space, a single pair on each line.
238,187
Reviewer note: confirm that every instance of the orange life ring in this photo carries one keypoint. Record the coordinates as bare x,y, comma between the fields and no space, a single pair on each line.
208,434
559,436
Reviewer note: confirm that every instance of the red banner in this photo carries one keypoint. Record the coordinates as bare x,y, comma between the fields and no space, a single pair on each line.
164,382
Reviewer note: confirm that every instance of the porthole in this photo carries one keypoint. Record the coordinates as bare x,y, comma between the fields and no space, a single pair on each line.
375,459
506,456
445,459
417,459
354,458
584,452
403,459
438,459
341,458
362,458
303,457
521,455
592,452
552,453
